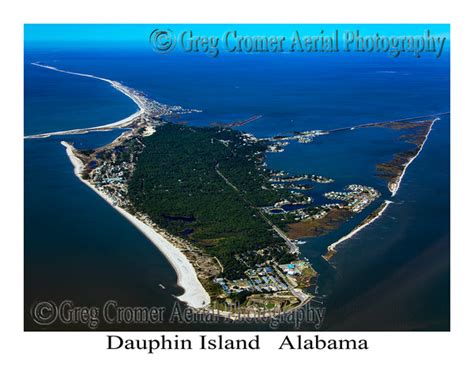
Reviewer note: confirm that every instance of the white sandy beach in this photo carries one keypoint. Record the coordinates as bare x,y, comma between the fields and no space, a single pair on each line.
393,187
332,247
117,124
113,83
194,293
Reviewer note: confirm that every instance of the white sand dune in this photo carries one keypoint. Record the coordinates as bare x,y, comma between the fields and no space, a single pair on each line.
194,293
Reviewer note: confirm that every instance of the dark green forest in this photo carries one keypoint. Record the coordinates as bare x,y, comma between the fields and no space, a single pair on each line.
177,183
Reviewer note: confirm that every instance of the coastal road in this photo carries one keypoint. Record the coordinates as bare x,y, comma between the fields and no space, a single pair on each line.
300,295
293,249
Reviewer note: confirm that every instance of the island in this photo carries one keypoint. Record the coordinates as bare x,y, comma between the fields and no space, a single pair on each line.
228,224
208,192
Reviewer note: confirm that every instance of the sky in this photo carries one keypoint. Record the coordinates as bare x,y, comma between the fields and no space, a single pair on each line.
137,34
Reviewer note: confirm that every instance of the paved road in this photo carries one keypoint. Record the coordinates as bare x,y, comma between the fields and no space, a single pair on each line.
291,245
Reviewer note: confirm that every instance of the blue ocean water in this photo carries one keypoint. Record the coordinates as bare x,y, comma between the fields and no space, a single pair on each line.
77,247
50,100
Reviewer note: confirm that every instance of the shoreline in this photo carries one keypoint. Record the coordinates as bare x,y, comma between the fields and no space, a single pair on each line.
194,293
106,127
331,249
393,187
